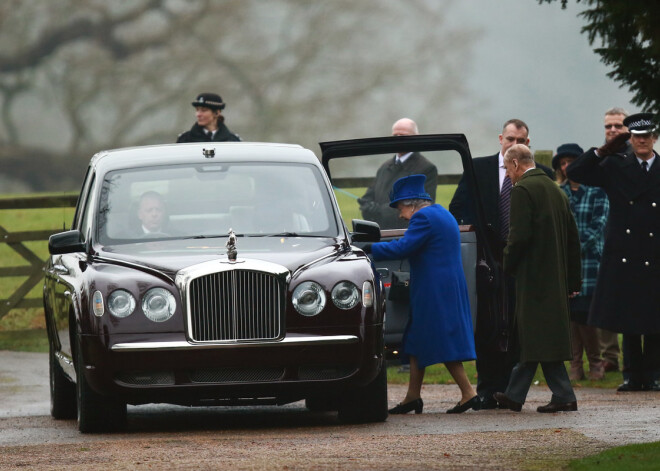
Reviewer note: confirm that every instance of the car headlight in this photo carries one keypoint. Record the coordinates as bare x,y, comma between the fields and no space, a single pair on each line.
309,298
121,303
158,304
345,295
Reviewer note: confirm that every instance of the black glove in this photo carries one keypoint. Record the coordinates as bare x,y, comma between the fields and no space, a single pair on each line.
614,145
367,248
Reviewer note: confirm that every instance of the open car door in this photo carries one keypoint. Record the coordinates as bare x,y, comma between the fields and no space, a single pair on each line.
352,166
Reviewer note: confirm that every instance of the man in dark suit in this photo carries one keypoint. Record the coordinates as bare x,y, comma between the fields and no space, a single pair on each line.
543,255
375,204
496,352
627,298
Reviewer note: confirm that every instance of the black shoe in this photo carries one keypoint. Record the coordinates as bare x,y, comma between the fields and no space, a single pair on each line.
629,385
506,403
558,407
417,405
474,403
488,403
652,386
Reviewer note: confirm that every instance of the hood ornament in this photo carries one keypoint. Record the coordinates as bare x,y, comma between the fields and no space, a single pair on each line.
231,246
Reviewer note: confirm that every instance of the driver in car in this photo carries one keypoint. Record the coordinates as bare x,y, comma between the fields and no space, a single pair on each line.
151,213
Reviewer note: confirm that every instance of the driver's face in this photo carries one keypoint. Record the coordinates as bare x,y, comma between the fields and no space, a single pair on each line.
151,213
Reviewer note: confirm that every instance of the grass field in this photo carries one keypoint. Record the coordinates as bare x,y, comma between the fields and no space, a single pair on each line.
639,457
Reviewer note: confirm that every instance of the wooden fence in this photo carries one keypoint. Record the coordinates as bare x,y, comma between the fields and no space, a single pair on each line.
34,271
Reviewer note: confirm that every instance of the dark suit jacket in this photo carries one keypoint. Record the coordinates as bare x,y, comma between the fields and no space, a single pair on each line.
375,204
626,298
487,175
492,327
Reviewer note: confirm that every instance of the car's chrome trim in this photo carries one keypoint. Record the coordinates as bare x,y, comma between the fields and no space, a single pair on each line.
292,341
281,275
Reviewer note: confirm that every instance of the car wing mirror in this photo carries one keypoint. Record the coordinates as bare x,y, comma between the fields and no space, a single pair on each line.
365,231
66,242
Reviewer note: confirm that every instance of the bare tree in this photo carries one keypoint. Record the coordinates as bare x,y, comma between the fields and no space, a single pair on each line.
92,74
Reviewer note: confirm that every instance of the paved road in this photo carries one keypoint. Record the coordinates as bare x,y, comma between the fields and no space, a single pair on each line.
605,419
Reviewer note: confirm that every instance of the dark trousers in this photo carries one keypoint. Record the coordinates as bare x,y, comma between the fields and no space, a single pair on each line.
554,373
496,342
641,358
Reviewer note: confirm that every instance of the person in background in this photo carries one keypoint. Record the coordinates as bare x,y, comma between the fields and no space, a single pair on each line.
627,298
439,328
495,336
590,208
543,255
210,123
374,205
609,341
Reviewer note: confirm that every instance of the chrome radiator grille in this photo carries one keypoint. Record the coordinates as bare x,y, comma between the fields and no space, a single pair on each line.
236,305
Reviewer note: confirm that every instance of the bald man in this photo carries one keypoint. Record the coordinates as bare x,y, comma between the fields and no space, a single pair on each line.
374,205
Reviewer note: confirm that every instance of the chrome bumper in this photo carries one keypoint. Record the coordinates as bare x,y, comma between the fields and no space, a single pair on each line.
289,341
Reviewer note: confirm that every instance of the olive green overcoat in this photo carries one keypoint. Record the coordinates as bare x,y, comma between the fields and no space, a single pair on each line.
543,254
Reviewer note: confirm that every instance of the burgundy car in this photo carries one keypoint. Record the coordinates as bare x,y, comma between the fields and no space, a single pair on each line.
212,274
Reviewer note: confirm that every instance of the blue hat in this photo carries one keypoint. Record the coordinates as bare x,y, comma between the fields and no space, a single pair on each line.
408,188
566,150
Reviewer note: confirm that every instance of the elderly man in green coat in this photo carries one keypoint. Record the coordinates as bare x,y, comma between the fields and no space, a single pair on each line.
543,254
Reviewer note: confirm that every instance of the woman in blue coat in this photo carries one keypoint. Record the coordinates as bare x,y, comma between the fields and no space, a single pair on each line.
439,328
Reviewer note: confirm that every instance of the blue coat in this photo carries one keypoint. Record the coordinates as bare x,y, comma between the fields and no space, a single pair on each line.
439,329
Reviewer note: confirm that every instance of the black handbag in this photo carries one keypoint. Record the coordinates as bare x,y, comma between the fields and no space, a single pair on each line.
400,287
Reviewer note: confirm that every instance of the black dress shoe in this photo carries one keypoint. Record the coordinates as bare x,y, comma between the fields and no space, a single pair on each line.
488,403
506,403
652,386
558,407
628,385
417,405
474,403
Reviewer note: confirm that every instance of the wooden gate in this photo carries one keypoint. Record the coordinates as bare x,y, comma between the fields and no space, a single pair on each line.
33,272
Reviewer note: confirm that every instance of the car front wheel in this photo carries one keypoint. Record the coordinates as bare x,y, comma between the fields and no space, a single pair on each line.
368,403
96,413
62,390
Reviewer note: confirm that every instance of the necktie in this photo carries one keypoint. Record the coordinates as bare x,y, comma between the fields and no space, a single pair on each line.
645,166
504,207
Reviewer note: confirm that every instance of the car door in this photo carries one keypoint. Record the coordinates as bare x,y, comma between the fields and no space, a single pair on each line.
352,166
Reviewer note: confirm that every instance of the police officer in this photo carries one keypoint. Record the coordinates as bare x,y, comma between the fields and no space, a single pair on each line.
210,125
627,295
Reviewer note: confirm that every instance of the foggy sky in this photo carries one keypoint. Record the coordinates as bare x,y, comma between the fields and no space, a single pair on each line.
531,62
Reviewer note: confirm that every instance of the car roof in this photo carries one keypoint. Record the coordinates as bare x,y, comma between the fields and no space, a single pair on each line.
167,154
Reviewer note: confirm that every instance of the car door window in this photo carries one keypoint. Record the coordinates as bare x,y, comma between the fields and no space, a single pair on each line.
362,185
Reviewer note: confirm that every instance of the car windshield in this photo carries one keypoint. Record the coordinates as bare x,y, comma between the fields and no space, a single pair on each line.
207,200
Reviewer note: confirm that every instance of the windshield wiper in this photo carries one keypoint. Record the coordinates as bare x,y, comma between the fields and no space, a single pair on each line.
218,236
285,234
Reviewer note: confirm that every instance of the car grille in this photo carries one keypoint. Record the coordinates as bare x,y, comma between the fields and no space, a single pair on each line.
236,305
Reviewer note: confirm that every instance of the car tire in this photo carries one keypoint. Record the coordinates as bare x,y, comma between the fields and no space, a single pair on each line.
368,403
96,413
62,390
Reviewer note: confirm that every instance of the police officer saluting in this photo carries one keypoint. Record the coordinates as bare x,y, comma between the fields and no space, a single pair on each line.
627,294
210,125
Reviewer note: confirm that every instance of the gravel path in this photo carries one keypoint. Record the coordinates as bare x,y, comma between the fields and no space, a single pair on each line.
289,437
